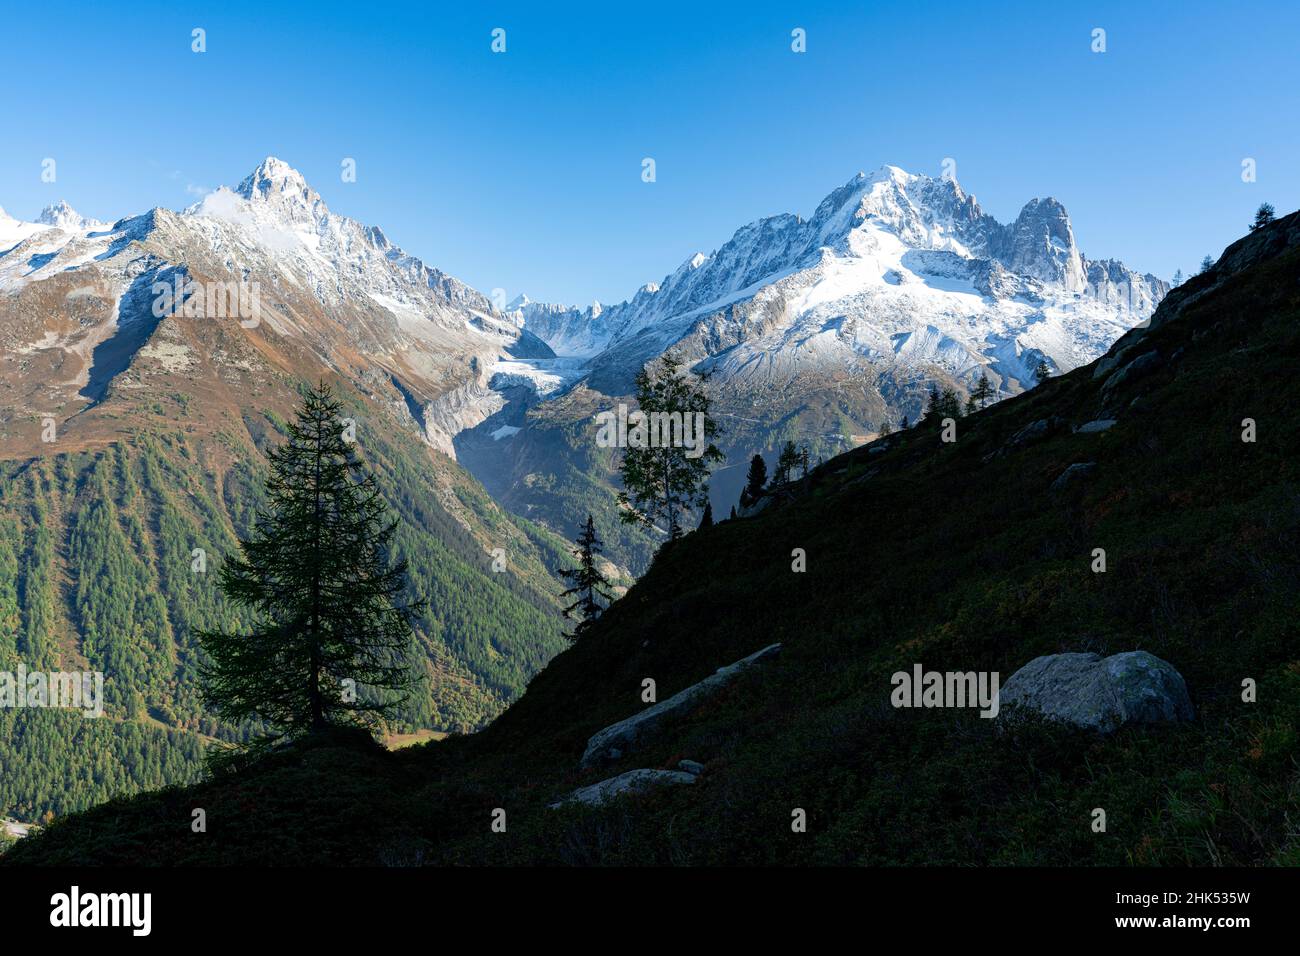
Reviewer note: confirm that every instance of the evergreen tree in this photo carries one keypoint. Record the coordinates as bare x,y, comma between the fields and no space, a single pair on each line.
588,584
1042,371
1178,278
1263,216
949,404
934,401
706,521
971,407
733,513
1206,265
983,391
328,640
785,465
884,429
664,483
755,481
905,425
805,461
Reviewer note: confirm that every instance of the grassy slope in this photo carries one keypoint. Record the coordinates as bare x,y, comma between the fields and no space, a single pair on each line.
925,553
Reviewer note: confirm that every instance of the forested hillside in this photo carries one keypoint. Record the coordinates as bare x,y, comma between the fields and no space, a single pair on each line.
100,571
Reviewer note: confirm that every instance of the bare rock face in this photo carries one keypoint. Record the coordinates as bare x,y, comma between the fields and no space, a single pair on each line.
1097,693
617,739
632,783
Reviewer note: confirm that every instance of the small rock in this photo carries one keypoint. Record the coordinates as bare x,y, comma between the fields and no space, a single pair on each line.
693,767
1101,694
1080,469
1143,364
1096,425
632,783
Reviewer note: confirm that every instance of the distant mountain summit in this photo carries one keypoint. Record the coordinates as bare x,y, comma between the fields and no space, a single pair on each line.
62,216
884,258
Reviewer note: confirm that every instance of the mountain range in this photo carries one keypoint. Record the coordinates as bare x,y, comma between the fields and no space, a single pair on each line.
1176,455
133,425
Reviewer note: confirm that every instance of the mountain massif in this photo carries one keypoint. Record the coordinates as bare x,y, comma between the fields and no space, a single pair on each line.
1176,454
826,331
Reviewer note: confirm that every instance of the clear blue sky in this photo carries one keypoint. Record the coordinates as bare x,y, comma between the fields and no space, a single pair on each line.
523,170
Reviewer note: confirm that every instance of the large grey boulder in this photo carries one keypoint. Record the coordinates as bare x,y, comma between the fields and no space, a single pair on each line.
632,783
617,739
1097,693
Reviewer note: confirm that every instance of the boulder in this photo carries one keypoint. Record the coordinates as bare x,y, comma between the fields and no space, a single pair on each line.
1096,693
1036,431
632,783
1031,433
617,739
1145,363
693,767
1096,425
1080,469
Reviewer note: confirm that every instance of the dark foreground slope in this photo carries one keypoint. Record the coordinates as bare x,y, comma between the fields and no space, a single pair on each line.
957,556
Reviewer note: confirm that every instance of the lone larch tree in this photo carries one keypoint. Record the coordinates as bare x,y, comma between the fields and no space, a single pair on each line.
328,636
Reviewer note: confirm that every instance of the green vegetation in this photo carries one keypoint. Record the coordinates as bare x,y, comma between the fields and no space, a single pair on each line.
98,571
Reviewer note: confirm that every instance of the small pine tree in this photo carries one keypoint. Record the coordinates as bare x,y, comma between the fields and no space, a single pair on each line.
732,516
1263,216
983,392
588,584
785,464
934,401
1042,371
805,461
755,481
1178,278
1206,265
706,520
905,424
884,430
327,639
971,407
949,404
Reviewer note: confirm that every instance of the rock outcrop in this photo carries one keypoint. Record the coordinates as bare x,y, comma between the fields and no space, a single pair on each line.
620,738
1097,693
632,783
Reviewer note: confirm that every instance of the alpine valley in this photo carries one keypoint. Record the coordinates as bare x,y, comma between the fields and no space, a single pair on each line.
132,438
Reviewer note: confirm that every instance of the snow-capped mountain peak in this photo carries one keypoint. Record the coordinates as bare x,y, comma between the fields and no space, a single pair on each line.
277,188
62,216
887,261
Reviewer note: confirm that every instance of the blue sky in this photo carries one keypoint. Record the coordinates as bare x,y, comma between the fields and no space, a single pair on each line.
522,170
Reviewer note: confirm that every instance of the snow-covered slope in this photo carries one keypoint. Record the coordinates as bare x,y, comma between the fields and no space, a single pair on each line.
893,271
